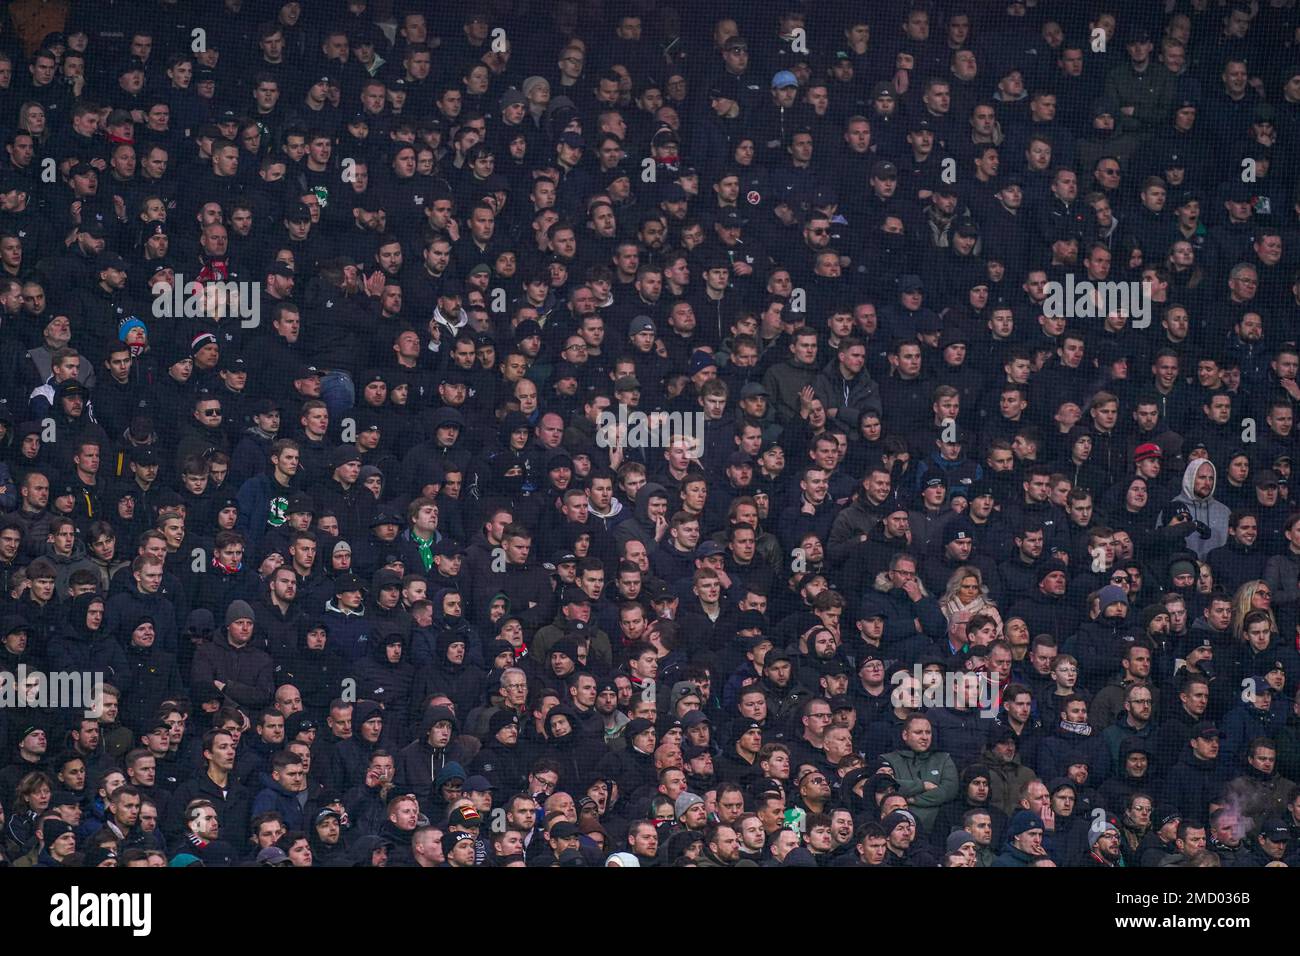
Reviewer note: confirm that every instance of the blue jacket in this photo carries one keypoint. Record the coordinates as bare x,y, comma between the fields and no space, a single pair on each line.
1244,724
273,796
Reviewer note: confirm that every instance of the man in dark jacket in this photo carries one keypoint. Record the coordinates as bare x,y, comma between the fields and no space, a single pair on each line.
1198,778
230,667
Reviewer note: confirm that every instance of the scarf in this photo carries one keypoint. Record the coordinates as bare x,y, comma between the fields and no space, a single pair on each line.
1071,727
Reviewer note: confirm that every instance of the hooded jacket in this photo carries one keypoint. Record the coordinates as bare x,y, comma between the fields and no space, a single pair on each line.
131,604
1006,777
346,762
150,678
465,683
419,762
639,526
380,679
80,650
1209,511
290,806
318,675
851,397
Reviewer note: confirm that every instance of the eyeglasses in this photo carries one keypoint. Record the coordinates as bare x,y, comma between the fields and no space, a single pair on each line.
211,413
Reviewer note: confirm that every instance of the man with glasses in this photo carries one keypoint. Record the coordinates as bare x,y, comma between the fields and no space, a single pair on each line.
814,720
1109,705
912,616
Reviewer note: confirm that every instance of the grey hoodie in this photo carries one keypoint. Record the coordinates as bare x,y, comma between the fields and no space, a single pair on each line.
1209,510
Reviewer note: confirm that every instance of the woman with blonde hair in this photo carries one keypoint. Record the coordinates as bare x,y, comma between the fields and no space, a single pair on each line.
1252,596
31,120
966,593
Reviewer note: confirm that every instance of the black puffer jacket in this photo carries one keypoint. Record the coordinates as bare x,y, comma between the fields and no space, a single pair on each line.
78,649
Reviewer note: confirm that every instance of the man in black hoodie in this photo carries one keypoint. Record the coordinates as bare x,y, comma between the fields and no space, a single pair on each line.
345,764
386,675
451,673
419,761
527,587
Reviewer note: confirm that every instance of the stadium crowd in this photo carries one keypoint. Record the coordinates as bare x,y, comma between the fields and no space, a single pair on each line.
646,434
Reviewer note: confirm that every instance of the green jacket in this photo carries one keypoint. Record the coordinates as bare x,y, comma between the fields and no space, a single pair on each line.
1150,92
914,770
1005,781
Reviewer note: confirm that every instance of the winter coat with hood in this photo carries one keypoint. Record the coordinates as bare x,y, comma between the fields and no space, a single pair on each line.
290,806
464,683
578,754
349,629
1143,526
851,397
318,675
424,641
151,677
418,762
131,604
1208,510
246,672
79,649
639,526
1006,777
378,678
346,762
